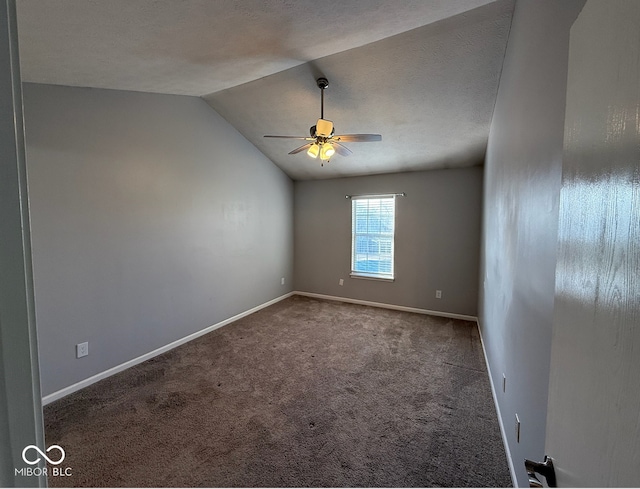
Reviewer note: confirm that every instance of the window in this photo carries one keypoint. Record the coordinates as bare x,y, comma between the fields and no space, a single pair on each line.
372,230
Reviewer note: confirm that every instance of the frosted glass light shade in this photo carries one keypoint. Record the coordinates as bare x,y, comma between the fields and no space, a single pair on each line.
313,150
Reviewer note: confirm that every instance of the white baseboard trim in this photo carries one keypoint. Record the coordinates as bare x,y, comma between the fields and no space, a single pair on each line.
387,306
119,368
135,361
505,441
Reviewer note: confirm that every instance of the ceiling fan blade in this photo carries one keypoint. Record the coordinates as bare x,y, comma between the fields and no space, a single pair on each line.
357,138
301,148
292,137
340,149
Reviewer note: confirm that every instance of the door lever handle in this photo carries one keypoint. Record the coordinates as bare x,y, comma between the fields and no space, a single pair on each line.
543,468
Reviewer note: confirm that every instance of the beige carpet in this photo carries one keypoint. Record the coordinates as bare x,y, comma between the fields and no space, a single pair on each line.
303,393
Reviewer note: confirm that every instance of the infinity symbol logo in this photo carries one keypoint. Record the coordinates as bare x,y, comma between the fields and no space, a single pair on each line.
53,462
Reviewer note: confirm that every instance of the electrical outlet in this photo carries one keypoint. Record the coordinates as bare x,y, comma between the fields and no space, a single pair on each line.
517,429
504,383
438,294
282,281
82,349
341,282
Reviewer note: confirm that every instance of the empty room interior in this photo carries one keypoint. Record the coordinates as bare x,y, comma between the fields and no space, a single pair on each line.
323,244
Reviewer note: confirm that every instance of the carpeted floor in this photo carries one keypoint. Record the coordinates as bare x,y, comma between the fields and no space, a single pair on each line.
304,393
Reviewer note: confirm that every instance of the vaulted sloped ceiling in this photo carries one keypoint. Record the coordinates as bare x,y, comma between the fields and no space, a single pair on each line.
423,73
430,92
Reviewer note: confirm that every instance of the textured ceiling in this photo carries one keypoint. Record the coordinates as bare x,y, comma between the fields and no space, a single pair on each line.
196,47
423,73
430,92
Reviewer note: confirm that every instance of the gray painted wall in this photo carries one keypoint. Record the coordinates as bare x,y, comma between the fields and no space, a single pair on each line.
20,403
436,244
522,186
152,219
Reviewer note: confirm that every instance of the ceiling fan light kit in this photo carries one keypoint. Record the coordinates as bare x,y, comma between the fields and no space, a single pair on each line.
314,150
323,141
326,151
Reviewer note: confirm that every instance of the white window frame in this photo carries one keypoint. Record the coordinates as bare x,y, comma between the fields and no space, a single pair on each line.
389,277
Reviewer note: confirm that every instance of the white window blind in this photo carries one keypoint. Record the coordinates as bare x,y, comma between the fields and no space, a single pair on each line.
372,233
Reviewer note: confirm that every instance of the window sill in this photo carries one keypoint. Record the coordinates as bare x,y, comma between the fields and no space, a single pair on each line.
365,276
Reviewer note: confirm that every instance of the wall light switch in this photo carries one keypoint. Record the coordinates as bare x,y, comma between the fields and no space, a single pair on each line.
82,349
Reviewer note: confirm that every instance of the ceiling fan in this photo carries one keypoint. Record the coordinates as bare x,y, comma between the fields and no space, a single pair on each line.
323,141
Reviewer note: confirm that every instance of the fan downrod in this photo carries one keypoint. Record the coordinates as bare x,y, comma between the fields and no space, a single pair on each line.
322,83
